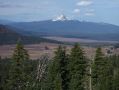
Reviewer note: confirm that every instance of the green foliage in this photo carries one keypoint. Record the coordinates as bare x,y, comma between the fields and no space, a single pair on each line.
4,71
115,67
77,69
20,54
96,68
57,73
116,81
63,72
101,72
18,79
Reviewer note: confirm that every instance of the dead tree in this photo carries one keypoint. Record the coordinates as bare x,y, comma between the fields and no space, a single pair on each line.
42,66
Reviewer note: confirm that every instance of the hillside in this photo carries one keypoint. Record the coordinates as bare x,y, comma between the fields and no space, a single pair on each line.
5,22
9,36
71,28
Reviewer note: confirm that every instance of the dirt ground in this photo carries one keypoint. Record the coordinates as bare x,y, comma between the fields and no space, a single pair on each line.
36,50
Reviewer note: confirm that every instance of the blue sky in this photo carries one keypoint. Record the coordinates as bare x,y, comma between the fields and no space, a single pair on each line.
85,10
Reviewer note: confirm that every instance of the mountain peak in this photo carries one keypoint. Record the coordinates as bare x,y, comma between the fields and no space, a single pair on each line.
60,18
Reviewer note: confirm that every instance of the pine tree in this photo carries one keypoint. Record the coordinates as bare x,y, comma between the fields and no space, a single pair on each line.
18,79
57,72
77,69
101,72
1,87
95,68
115,64
116,81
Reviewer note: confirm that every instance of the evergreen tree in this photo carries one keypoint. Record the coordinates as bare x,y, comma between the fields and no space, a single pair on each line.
57,73
101,72
77,69
116,81
1,87
95,68
115,63
18,79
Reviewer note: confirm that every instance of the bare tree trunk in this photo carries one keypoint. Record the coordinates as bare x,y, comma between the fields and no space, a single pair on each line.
90,82
41,69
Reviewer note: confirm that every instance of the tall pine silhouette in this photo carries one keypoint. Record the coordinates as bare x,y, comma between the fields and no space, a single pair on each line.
18,79
58,70
101,72
77,69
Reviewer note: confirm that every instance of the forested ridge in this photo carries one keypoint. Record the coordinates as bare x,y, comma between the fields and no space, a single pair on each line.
65,71
9,35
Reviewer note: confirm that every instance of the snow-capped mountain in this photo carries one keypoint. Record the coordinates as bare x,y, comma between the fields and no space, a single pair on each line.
61,26
60,18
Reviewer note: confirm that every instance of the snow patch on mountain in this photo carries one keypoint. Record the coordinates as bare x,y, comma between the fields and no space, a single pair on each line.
60,18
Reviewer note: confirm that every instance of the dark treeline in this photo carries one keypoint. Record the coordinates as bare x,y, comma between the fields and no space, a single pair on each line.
72,71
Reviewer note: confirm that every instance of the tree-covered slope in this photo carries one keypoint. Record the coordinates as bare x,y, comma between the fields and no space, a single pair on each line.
9,36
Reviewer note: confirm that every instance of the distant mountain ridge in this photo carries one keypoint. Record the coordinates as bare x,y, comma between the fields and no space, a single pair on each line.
5,22
71,28
9,35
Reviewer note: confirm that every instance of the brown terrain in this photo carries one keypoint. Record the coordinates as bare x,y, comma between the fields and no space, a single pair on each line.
74,40
36,50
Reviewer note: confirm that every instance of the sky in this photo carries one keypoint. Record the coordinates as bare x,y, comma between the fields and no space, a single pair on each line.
106,11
